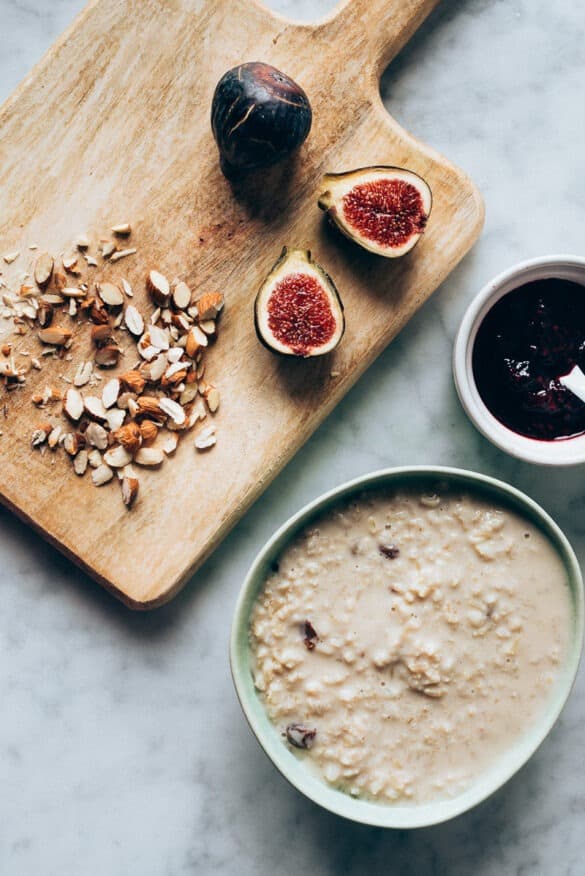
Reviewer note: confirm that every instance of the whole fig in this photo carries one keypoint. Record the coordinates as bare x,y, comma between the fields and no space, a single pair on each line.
259,116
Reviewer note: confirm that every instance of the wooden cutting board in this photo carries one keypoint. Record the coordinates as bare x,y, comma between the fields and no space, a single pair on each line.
113,125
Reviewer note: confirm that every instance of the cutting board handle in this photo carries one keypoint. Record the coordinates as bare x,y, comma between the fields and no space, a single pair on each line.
378,28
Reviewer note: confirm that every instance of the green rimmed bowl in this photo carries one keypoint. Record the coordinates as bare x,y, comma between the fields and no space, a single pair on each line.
405,815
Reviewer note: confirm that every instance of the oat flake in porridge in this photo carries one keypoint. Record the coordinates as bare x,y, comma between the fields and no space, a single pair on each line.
407,639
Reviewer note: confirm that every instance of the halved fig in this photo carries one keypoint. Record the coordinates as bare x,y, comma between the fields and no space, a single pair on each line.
383,209
298,309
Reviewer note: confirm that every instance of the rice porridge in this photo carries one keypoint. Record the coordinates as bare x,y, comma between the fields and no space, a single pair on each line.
406,639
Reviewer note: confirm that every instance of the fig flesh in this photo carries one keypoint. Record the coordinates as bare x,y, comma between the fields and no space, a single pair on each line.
383,209
298,311
259,116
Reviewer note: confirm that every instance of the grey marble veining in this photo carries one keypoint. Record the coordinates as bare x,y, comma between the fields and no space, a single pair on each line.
122,747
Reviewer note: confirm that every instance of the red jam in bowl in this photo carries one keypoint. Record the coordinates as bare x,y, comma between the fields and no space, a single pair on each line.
529,339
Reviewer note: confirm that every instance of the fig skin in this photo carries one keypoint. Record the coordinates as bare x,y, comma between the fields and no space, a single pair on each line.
259,116
306,264
335,186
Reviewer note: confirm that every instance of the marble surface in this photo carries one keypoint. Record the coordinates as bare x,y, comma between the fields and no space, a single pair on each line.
122,746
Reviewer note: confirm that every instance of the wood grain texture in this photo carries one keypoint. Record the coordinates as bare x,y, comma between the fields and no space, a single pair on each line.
113,125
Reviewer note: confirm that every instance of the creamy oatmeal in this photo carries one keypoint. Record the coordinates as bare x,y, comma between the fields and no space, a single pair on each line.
406,639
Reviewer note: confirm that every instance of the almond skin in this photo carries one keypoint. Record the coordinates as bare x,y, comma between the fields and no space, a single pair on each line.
210,305
101,333
149,431
107,356
133,381
149,406
129,436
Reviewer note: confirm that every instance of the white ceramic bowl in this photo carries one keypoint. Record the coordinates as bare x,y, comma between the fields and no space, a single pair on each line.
566,452
293,769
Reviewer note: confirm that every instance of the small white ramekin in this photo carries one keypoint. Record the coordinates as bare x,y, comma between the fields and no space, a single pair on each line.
570,451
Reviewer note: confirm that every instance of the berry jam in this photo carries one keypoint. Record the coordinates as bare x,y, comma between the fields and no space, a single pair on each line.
529,339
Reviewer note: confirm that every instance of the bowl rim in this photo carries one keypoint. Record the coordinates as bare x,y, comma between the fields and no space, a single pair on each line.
564,452
338,802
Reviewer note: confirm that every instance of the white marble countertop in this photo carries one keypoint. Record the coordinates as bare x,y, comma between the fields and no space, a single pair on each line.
122,746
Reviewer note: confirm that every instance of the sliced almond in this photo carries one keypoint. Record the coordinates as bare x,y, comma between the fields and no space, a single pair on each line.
181,321
205,438
149,456
115,419
44,314
122,230
157,368
117,457
54,335
71,444
69,262
175,355
197,413
122,254
73,404
80,463
82,241
169,444
108,249
97,436
134,321
98,313
110,294
101,475
101,333
146,349
159,288
39,436
50,298
181,296
127,289
159,338
208,326
110,392
211,396
95,407
176,368
10,257
108,356
125,399
83,373
94,458
72,292
189,394
210,305
43,268
196,339
173,410
130,488
54,436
